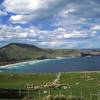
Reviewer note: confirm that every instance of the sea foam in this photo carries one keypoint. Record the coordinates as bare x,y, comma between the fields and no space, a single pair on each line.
21,64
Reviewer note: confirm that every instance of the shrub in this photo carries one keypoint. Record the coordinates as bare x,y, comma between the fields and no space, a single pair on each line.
60,97
74,98
49,97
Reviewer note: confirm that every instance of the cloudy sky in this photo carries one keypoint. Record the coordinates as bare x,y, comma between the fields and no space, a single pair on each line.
51,23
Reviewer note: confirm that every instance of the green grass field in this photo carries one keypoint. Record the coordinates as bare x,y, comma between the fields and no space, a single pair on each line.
85,85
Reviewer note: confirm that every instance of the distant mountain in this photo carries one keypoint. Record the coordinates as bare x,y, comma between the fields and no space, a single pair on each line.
17,52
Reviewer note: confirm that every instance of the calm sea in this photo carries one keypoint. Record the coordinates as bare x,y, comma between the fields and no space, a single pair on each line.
58,65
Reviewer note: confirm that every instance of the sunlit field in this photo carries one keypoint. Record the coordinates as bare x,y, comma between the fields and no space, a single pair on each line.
84,85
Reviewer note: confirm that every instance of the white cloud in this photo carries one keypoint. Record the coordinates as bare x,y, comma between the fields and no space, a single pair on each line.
62,33
27,10
47,9
20,19
96,27
66,11
54,36
70,18
3,13
79,34
21,6
22,35
51,39
16,17
18,27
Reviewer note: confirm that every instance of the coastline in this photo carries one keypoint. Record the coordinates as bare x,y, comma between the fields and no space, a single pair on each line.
30,62
22,63
2,64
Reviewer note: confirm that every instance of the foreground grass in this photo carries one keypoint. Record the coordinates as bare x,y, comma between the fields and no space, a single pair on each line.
73,84
16,81
85,84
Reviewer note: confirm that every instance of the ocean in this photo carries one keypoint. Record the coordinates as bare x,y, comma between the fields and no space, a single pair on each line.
68,64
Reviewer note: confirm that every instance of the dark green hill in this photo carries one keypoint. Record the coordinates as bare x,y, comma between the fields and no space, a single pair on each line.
18,52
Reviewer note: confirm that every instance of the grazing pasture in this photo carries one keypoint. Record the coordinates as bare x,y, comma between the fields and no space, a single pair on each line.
84,85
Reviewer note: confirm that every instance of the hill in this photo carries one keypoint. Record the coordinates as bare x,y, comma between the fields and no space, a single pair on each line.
17,52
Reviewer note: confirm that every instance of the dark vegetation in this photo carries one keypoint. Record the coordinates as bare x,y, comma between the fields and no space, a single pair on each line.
11,94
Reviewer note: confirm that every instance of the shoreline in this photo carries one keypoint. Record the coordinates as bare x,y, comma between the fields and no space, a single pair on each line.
35,60
22,63
31,62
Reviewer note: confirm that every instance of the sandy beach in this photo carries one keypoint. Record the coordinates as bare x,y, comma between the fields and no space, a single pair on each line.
22,63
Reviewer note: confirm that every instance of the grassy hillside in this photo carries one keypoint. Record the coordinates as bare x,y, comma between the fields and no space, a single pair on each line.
17,52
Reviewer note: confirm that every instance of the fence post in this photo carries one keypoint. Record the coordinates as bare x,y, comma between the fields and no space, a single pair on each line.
39,94
90,96
28,93
81,94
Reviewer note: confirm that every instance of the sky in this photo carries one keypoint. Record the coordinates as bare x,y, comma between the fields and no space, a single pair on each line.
50,23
